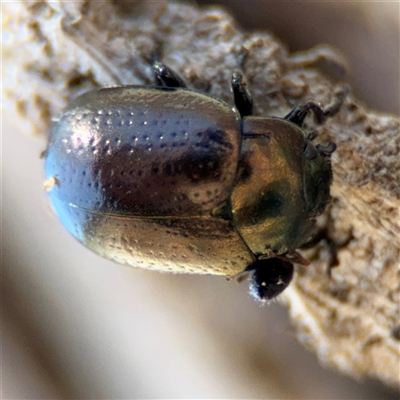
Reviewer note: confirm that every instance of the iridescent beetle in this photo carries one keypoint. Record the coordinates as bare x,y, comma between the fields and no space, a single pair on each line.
170,179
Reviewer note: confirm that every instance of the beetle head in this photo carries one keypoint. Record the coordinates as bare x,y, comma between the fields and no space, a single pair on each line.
270,277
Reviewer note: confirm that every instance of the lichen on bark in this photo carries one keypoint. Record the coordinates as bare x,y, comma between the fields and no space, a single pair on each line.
348,314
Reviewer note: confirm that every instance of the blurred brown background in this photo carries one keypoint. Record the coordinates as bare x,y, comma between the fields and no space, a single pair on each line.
77,326
366,33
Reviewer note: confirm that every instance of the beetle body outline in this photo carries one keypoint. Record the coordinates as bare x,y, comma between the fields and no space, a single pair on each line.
175,180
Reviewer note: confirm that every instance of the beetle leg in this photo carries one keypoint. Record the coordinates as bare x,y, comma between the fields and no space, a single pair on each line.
333,247
166,77
311,136
242,97
297,258
326,150
299,113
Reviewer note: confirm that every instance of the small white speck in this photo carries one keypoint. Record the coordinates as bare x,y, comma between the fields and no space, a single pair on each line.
50,183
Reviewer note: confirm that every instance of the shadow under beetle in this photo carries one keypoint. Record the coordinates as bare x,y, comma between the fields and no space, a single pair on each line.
170,179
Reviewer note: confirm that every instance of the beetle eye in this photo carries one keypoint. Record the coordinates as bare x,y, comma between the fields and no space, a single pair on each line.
270,277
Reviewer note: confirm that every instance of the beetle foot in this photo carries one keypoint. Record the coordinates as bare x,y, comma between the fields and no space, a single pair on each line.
326,150
166,77
299,113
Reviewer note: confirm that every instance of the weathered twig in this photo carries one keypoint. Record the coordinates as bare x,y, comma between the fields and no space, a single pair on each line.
350,314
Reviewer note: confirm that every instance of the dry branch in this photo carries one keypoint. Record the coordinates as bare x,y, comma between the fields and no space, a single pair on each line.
349,316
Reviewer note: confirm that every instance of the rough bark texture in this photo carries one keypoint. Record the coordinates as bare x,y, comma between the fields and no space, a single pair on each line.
348,314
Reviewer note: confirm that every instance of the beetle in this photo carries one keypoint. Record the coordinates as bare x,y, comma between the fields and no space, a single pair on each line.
166,178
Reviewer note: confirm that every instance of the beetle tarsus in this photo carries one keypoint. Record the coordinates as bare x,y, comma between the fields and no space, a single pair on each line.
166,77
311,136
242,97
299,113
326,150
